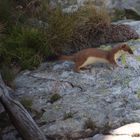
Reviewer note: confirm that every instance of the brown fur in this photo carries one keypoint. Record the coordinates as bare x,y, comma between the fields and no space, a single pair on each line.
80,57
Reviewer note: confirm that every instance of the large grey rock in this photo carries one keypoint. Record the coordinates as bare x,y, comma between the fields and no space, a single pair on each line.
107,97
99,96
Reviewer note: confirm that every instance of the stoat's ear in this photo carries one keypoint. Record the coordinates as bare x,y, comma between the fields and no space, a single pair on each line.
124,45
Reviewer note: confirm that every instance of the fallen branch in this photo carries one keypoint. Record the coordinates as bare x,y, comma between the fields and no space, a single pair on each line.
20,118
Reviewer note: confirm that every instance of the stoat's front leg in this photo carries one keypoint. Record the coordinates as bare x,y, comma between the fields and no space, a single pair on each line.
111,66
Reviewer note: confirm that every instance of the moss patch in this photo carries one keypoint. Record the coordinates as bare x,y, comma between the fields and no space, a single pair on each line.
55,97
126,81
133,48
26,102
123,59
89,124
105,47
138,40
68,115
138,94
137,58
57,107
103,90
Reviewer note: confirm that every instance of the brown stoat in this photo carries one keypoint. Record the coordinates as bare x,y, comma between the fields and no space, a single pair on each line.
93,55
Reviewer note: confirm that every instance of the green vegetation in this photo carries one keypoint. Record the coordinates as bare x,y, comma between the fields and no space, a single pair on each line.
33,31
93,16
93,20
123,60
60,29
137,58
68,115
55,97
8,75
27,103
89,124
105,47
94,28
118,15
5,11
138,94
23,45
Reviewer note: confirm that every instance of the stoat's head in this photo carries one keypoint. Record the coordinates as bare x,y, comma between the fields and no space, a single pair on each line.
126,48
121,49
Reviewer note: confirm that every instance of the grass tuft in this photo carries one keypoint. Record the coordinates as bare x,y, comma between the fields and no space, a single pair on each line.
21,47
94,16
68,115
60,29
8,75
91,31
27,103
5,11
55,97
89,124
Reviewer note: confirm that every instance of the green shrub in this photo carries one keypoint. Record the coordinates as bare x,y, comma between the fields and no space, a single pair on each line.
25,46
60,29
92,15
5,11
91,31
8,75
57,25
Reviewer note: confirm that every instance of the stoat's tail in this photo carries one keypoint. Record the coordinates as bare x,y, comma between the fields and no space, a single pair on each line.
65,57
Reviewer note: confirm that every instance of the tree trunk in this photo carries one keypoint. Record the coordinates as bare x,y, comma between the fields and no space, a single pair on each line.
20,118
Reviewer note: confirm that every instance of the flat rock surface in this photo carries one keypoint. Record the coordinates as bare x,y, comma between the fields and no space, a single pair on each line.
100,98
110,98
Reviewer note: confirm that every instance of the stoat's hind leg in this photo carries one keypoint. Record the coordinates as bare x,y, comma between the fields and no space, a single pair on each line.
85,68
79,64
77,68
